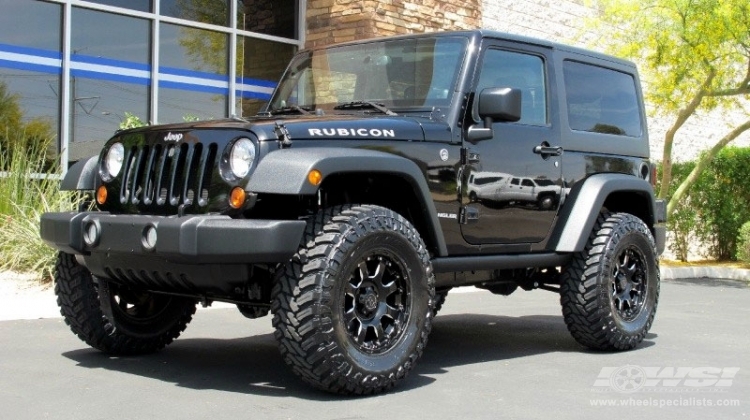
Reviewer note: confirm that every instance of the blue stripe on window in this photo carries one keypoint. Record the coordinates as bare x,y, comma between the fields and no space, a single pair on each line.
192,87
192,73
85,59
256,82
30,67
109,62
253,95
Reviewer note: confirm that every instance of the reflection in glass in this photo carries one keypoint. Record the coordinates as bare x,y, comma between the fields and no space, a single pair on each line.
261,64
18,17
100,106
193,74
193,49
30,68
178,105
270,17
215,12
140,5
100,34
29,104
110,76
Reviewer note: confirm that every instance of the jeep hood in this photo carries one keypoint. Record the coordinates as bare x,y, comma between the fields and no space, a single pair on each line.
344,127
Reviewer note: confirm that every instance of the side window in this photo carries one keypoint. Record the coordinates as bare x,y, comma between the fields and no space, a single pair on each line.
514,181
521,71
601,100
527,183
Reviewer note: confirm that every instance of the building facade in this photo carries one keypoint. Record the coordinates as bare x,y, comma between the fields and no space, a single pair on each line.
83,67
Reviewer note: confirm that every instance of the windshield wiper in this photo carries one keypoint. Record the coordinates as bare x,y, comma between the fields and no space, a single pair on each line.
365,104
289,109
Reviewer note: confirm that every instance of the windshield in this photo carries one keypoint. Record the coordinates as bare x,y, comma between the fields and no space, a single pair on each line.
397,74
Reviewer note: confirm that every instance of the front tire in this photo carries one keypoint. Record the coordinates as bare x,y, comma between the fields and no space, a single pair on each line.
113,318
610,291
354,307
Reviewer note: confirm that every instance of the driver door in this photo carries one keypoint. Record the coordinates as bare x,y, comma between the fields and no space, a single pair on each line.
513,213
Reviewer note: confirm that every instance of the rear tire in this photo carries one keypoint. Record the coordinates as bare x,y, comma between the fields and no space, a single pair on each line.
610,291
113,318
354,307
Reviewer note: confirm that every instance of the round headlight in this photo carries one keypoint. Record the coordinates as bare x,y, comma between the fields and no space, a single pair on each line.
241,157
114,158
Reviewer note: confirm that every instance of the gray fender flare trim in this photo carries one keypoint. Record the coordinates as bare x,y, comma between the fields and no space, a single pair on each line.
81,176
578,216
285,172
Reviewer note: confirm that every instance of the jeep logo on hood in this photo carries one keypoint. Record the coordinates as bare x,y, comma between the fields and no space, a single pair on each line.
351,132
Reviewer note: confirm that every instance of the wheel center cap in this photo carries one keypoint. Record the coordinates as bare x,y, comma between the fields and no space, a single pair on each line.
369,301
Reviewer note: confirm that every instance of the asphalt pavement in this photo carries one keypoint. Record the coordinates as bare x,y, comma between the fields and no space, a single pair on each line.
488,357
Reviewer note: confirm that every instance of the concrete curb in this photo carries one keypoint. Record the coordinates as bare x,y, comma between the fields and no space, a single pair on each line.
725,273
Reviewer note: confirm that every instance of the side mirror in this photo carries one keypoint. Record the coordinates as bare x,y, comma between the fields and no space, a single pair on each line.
495,105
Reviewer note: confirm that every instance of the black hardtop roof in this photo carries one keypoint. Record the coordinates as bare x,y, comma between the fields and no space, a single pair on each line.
478,34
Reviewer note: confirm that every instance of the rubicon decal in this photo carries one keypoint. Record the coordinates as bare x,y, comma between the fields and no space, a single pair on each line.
350,132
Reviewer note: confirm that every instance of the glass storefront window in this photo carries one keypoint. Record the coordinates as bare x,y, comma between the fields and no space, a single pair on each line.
20,16
193,74
260,64
215,12
140,5
101,34
270,17
110,75
30,68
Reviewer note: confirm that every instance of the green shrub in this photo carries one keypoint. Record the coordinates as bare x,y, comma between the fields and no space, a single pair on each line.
27,190
743,243
721,197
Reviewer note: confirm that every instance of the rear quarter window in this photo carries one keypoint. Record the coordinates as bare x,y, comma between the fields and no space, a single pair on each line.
601,100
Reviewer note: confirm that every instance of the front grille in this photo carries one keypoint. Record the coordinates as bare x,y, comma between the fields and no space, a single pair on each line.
162,175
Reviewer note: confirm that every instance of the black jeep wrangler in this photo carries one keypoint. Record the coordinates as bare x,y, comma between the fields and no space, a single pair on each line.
343,208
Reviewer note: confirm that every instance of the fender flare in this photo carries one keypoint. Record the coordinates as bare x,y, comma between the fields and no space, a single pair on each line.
574,230
81,176
285,172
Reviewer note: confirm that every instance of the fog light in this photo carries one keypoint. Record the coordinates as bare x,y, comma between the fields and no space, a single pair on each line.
101,195
237,197
149,238
91,234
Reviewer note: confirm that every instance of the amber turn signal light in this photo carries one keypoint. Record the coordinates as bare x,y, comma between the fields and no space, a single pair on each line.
237,197
101,195
315,177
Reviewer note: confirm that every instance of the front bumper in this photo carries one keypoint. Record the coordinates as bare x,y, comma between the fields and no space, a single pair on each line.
198,254
198,239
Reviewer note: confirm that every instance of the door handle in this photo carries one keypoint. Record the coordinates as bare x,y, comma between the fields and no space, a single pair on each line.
546,150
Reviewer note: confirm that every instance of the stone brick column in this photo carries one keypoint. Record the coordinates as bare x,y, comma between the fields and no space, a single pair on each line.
333,21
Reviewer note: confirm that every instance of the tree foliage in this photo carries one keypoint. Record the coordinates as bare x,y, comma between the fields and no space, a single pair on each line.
685,220
695,56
